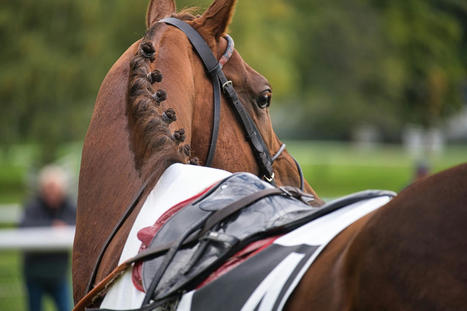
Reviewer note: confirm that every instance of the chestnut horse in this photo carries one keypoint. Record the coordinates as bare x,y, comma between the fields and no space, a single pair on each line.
155,108
152,112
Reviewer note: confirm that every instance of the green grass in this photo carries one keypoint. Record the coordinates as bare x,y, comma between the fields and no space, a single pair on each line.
11,286
333,169
336,169
12,291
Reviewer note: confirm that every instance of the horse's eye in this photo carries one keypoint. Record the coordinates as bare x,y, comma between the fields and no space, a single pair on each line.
264,99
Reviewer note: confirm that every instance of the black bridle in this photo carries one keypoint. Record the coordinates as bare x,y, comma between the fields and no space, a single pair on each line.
214,70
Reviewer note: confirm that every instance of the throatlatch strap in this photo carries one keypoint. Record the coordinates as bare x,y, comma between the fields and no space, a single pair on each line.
212,66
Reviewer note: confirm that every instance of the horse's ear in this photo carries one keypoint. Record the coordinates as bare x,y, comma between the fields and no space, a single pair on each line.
158,9
217,17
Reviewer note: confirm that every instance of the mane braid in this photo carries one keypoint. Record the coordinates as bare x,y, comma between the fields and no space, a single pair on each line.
150,135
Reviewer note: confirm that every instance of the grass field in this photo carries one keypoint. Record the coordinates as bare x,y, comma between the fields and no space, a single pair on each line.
333,169
12,293
11,286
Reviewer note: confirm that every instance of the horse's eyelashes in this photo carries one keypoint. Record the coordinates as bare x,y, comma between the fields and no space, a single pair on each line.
264,99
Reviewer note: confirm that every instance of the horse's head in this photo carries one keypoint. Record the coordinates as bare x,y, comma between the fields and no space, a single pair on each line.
170,97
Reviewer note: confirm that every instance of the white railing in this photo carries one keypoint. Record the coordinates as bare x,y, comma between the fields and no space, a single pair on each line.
37,239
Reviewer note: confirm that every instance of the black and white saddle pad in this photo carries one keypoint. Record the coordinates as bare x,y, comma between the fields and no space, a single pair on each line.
264,281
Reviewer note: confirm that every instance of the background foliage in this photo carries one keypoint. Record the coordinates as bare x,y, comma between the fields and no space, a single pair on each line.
334,65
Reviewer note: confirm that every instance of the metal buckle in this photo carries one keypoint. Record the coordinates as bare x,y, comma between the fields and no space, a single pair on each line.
220,237
269,179
224,86
286,192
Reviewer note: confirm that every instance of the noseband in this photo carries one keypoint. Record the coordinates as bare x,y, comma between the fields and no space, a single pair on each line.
218,80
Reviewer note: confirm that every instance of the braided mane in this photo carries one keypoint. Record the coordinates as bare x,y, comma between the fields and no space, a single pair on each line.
149,124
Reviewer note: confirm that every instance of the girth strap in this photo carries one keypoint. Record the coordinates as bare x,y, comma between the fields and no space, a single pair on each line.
218,78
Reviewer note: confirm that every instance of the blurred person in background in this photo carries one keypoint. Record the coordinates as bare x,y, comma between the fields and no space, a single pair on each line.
46,273
421,171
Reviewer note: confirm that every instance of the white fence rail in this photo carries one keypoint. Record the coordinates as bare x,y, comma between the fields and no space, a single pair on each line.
37,239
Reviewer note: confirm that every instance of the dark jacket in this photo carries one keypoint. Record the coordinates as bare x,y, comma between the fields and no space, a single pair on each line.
47,265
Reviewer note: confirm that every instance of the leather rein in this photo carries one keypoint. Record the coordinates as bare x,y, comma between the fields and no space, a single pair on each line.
218,80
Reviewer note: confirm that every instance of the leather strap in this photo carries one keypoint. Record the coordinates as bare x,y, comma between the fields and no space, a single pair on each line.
212,66
130,208
261,152
218,78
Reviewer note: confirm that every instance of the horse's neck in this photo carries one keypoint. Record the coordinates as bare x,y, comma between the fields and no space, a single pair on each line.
108,179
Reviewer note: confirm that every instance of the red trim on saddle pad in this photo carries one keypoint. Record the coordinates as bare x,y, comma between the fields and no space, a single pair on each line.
145,235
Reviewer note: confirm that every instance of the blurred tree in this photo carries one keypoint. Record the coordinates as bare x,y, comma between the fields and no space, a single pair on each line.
341,58
426,39
58,51
56,54
379,62
333,64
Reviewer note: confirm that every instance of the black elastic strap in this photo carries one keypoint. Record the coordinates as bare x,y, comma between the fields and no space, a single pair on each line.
167,261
